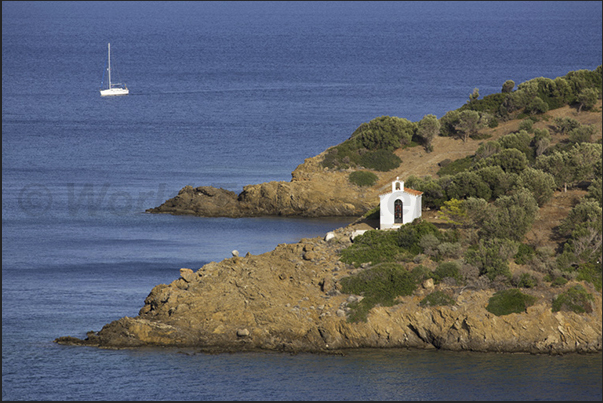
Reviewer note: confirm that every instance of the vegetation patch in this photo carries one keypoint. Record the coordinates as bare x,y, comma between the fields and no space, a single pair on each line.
591,273
363,178
524,253
576,299
456,166
379,285
509,301
448,269
380,160
437,298
390,246
372,246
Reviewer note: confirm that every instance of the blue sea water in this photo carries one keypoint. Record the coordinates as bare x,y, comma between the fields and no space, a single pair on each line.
229,94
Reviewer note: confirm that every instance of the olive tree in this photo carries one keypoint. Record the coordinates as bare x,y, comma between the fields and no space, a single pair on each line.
427,129
508,86
540,183
587,98
468,123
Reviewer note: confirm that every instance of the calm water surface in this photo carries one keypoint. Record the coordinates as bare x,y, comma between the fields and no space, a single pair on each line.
230,94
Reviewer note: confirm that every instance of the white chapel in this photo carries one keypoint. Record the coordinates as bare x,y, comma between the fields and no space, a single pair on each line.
400,206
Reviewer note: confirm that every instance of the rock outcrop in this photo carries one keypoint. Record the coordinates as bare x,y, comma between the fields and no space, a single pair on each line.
312,192
289,299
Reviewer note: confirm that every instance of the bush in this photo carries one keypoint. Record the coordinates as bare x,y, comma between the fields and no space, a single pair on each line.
509,301
491,257
372,246
591,273
437,298
448,269
541,184
363,178
409,235
384,132
524,254
378,285
576,299
420,273
380,160
525,280
455,167
558,282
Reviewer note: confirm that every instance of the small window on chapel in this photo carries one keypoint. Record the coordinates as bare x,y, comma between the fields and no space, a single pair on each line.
397,185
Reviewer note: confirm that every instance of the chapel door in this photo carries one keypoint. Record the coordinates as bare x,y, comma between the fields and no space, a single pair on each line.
398,212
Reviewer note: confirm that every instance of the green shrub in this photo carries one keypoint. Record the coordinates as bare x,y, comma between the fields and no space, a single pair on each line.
420,273
459,165
380,160
372,246
491,256
448,269
591,273
524,253
409,235
384,132
380,284
437,298
525,280
509,301
363,178
576,299
489,103
558,282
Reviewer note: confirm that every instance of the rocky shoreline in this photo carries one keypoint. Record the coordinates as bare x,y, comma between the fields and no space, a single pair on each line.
312,192
289,300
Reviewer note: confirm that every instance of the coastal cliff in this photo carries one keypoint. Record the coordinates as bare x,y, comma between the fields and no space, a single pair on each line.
289,300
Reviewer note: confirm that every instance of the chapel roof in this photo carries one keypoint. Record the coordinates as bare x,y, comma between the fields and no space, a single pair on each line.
407,190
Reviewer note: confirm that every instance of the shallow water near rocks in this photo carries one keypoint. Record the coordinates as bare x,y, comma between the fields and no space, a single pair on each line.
229,95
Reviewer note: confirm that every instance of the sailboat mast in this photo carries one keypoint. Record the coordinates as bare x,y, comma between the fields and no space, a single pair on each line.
109,68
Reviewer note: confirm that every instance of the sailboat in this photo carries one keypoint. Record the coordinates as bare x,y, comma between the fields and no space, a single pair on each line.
113,89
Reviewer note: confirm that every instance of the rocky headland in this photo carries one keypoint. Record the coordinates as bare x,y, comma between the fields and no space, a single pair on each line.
289,300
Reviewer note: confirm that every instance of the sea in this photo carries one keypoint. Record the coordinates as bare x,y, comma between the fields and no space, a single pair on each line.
229,94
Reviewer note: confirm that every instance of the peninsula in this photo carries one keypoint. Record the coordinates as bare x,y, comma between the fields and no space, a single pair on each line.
505,258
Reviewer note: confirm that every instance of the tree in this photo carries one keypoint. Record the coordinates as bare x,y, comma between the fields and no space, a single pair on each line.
427,129
510,160
519,141
468,184
474,95
508,86
510,217
454,212
448,123
587,98
588,211
491,257
468,124
563,125
536,106
487,149
384,132
541,141
500,182
540,183
582,134
557,164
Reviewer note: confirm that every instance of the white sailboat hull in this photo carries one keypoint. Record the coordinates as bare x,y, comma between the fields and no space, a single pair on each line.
114,91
